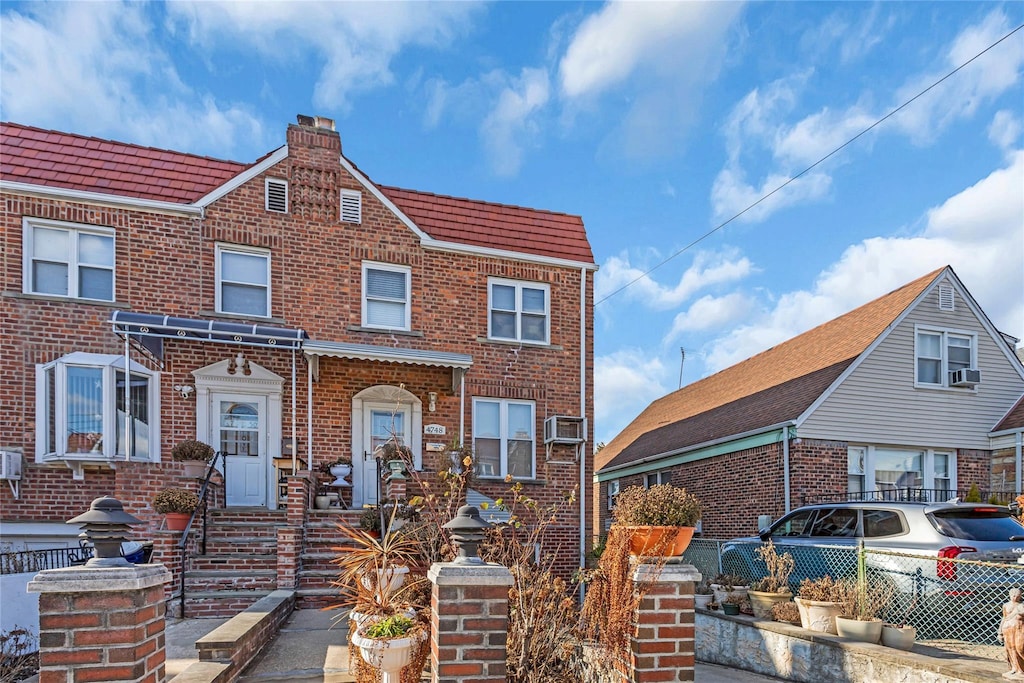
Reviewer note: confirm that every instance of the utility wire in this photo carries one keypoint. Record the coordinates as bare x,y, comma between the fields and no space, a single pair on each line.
806,170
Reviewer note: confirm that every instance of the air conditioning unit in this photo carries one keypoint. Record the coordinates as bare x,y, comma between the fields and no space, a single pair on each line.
10,465
964,377
562,429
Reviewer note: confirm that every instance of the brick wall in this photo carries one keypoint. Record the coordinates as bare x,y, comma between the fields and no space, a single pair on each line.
166,264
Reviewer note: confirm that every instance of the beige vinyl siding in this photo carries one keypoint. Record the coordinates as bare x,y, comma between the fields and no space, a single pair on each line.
879,404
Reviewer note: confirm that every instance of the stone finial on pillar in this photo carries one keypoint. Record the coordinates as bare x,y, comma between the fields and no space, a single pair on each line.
468,530
106,526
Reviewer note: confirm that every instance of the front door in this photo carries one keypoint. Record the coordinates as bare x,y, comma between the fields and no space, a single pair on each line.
382,424
239,428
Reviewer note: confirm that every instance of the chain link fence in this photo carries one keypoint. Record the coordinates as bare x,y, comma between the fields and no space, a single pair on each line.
954,604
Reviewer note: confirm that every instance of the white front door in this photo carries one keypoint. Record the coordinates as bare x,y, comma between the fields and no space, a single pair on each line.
239,430
382,423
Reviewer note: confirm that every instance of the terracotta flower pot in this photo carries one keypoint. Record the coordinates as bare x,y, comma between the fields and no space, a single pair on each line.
177,521
667,541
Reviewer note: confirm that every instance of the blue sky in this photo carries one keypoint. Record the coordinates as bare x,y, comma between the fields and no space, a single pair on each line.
655,121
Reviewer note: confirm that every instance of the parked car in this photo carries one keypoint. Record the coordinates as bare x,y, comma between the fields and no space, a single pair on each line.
823,540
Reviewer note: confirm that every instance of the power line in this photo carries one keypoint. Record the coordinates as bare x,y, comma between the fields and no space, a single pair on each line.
806,170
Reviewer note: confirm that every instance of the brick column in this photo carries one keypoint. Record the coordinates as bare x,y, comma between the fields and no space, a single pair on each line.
301,489
663,642
396,486
101,624
468,622
289,550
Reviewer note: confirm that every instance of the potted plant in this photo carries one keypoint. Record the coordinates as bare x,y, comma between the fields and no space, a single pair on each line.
703,594
774,587
661,518
786,612
339,468
177,505
369,521
899,636
390,644
731,605
727,585
820,601
863,602
195,455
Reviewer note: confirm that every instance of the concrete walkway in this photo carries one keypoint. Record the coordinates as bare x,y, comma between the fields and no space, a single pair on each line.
311,649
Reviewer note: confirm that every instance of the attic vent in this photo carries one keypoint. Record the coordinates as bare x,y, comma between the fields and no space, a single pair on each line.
277,195
946,297
351,206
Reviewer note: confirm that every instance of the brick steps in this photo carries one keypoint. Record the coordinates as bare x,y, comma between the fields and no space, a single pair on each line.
232,561
228,580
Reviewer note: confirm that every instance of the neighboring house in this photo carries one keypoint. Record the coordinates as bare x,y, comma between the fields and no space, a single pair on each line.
289,307
910,391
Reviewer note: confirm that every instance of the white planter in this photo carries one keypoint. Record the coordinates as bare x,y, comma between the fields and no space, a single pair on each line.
818,616
702,600
339,472
901,638
721,594
390,579
387,655
869,631
761,602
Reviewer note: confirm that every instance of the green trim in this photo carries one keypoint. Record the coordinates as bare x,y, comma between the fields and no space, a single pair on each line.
753,441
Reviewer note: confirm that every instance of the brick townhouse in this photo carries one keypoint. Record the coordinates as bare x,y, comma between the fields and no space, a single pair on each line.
286,311
910,395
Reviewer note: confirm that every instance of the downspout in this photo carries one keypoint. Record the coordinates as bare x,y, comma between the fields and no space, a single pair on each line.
785,466
1017,456
295,444
127,403
309,413
462,409
582,452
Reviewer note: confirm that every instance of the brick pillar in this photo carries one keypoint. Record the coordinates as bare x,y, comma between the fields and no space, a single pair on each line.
101,624
301,489
396,486
663,642
289,549
468,621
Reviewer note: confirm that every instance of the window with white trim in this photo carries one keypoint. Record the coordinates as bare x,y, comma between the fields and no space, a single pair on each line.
243,280
890,470
80,409
518,311
613,493
386,296
504,438
940,353
655,478
68,259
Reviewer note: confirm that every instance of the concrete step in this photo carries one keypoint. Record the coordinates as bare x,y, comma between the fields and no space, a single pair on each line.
226,580
233,561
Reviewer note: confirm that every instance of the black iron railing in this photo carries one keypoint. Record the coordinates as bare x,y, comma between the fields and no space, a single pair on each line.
21,561
906,494
202,507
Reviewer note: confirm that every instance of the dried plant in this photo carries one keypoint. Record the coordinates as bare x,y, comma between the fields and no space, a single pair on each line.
728,582
824,589
19,654
779,568
659,505
786,611
192,450
864,601
175,500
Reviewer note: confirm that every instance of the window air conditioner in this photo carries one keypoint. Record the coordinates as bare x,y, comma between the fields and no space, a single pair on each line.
964,377
10,465
562,429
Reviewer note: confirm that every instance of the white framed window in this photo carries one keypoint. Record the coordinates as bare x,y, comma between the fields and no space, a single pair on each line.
80,409
243,280
386,296
889,470
613,492
68,259
351,206
504,438
276,195
518,311
655,478
939,353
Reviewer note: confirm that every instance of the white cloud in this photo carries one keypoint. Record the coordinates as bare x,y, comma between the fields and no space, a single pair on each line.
625,382
1004,131
96,66
709,313
757,122
354,41
511,125
708,269
979,231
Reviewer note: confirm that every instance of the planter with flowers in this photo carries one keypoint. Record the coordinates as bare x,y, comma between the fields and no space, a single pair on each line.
660,519
390,644
177,506
195,456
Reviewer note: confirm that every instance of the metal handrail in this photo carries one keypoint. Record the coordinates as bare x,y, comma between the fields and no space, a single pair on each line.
204,506
904,494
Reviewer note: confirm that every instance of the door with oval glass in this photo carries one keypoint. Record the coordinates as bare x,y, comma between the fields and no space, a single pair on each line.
382,424
240,432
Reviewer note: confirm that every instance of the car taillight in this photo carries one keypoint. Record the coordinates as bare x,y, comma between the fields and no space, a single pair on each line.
947,570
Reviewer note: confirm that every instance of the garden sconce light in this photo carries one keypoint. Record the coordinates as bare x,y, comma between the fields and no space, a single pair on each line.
468,533
106,527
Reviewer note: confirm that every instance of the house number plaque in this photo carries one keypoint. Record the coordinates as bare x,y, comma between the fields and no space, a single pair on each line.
434,430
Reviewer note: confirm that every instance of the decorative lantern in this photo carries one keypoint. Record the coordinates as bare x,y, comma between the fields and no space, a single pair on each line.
468,533
106,527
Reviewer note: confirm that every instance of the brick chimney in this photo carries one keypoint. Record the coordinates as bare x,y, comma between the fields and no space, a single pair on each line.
314,150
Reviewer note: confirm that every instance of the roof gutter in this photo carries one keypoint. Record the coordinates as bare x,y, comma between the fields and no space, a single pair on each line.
102,199
608,473
458,247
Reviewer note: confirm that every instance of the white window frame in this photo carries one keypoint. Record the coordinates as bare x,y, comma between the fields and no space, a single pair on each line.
944,371
927,465
613,493
503,437
29,225
659,477
366,299
266,193
222,249
519,285
109,366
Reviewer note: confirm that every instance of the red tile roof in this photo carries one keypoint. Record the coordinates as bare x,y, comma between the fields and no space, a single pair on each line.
75,162
772,387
